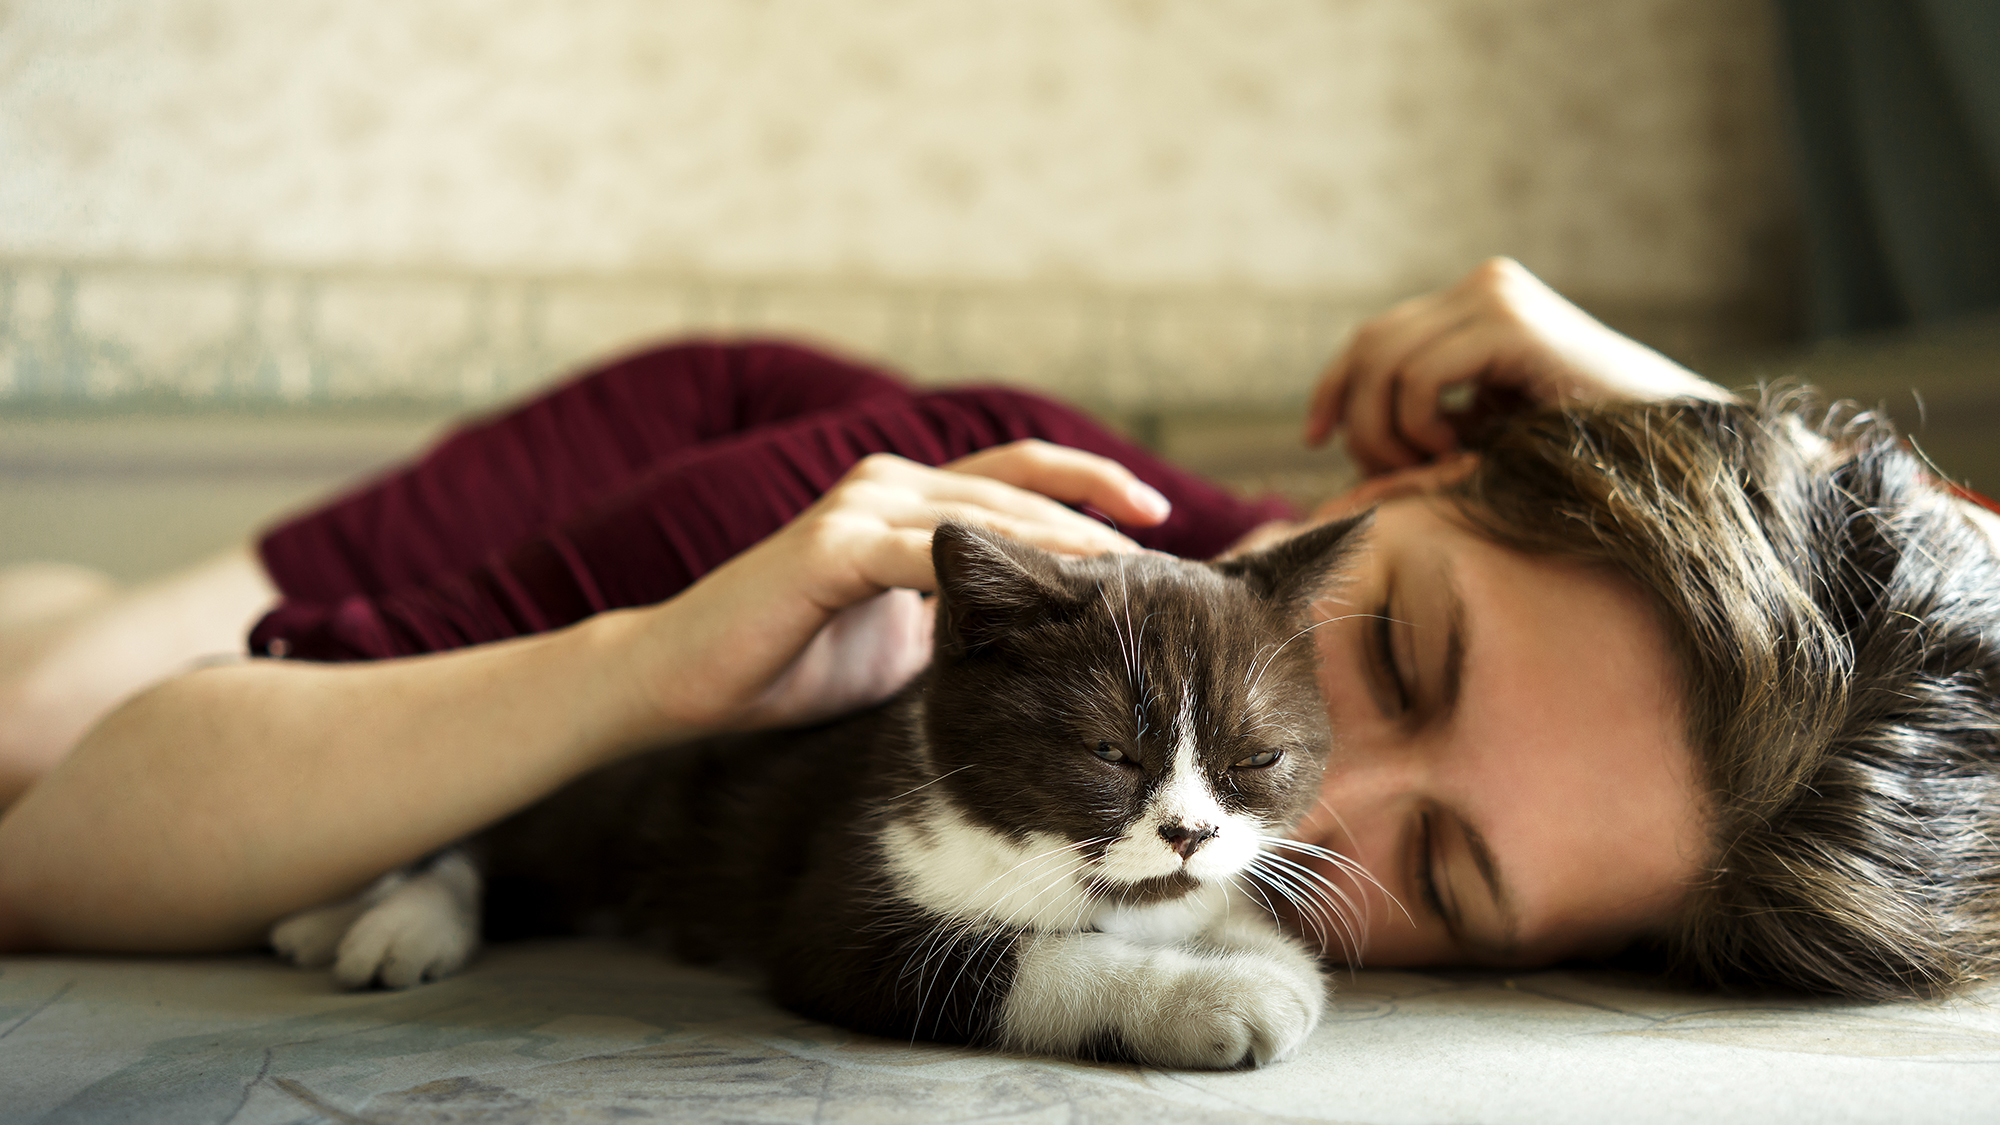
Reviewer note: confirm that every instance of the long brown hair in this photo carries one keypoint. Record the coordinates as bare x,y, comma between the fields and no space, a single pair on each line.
1837,621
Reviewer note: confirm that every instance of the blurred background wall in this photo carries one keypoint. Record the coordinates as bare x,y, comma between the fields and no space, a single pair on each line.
249,249
1143,203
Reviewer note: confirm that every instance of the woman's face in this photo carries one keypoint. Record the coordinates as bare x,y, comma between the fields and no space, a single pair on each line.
1509,759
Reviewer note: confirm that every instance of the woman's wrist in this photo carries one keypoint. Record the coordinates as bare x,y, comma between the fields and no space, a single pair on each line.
622,701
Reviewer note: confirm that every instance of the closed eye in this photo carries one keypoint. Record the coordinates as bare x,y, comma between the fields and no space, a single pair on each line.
1385,659
1427,884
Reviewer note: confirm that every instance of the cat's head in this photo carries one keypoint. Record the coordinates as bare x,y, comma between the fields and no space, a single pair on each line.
1155,717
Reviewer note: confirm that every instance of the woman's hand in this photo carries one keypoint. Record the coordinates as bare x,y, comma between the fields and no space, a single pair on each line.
1499,333
825,615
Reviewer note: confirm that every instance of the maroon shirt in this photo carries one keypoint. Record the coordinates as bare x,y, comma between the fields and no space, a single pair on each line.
623,486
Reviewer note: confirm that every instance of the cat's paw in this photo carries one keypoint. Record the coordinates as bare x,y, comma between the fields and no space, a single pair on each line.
1174,1006
410,926
413,936
1238,1010
310,938
424,929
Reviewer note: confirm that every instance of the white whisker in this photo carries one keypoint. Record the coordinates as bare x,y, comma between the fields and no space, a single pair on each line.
1252,877
1256,676
1321,889
931,782
1318,888
1344,864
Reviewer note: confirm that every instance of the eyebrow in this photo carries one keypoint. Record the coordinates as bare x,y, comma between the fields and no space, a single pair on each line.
1454,647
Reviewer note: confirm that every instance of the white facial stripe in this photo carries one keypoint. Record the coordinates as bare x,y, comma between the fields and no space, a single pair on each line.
956,868
1185,797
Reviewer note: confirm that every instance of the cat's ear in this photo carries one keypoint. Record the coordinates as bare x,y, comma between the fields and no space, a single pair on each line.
989,585
1294,569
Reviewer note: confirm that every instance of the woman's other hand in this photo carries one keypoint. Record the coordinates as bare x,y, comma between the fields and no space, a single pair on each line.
1500,333
826,616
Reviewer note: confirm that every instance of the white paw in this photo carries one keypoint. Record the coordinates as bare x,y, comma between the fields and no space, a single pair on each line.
1204,1006
408,928
1239,1010
309,938
416,934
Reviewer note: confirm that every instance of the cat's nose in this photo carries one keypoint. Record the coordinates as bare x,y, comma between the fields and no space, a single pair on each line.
1185,838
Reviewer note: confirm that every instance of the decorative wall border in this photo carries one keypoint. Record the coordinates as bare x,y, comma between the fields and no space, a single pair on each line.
74,332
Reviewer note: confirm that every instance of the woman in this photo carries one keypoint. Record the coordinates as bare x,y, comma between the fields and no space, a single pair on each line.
1679,673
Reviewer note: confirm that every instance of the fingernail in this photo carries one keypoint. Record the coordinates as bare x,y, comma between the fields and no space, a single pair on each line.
1148,499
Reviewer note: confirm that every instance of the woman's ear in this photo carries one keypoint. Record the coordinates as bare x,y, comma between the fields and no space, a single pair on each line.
1292,570
989,585
1416,480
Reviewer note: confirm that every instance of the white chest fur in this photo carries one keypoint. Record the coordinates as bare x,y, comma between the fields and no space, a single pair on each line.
956,868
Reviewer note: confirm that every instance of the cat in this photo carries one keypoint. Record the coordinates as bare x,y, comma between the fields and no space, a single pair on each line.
1060,839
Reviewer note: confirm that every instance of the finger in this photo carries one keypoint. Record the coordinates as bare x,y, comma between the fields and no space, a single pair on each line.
924,496
1329,405
1474,352
1323,412
892,481
1047,524
896,552
1062,537
1372,438
1072,476
896,557
1370,410
917,499
1435,320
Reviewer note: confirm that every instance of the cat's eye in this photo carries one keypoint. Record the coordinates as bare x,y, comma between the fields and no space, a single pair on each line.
1256,761
1108,751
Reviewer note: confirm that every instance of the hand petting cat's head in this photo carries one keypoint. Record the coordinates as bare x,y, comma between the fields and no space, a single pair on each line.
1153,714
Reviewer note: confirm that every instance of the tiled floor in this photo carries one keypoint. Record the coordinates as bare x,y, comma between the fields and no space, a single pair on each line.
586,1032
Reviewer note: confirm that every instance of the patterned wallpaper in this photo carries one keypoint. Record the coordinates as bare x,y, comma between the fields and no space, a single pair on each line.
290,336
1137,200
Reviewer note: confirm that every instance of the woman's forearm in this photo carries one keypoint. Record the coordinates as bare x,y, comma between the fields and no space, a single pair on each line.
200,811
